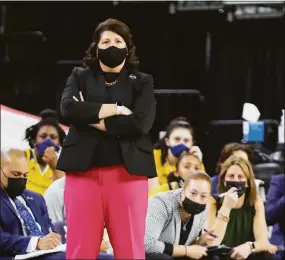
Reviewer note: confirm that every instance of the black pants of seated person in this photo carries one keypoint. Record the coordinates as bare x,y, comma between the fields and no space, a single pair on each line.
168,257
255,256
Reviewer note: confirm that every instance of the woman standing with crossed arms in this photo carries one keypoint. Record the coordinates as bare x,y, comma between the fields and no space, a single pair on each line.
107,155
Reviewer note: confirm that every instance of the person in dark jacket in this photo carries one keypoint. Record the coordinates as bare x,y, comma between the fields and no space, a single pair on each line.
107,154
275,211
24,221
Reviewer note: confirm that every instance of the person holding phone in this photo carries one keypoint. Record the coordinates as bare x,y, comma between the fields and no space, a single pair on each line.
238,218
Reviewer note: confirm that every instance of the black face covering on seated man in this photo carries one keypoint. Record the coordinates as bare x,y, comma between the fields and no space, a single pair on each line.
16,186
240,185
112,56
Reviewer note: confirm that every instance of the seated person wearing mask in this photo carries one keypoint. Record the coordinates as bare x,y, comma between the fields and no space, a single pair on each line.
275,211
24,222
187,163
236,149
178,139
45,139
176,218
238,218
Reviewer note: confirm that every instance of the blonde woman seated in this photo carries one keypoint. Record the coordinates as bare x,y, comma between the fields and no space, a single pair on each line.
187,163
238,219
176,218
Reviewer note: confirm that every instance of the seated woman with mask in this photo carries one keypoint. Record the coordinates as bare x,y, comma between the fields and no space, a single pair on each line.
187,163
175,220
238,218
45,139
178,139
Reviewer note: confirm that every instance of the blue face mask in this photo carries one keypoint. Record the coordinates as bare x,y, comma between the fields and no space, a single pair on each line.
44,145
178,149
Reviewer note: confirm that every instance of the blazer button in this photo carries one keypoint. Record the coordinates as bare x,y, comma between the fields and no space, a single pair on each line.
118,136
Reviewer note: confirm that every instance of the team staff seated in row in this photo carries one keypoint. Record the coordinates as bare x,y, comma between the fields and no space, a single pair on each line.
24,222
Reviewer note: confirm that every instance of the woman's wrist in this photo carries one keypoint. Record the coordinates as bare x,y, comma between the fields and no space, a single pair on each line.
250,245
260,246
179,251
225,211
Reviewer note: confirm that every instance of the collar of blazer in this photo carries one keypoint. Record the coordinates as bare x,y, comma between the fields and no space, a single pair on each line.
92,86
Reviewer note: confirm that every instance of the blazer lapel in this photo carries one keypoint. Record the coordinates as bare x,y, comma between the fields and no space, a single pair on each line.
123,89
95,87
33,207
6,200
177,218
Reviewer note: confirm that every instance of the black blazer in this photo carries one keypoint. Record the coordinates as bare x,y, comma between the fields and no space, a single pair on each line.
135,91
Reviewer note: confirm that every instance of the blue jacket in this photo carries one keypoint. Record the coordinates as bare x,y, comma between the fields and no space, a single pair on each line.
12,240
275,211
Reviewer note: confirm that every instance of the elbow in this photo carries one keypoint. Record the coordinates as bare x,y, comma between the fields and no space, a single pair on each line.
65,109
153,246
138,130
141,128
150,248
68,112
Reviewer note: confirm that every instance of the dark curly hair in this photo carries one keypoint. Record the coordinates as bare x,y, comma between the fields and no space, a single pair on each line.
90,59
48,117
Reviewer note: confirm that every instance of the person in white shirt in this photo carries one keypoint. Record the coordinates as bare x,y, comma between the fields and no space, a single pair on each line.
54,200
54,197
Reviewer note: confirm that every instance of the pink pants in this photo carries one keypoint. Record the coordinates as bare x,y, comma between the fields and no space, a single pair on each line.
107,195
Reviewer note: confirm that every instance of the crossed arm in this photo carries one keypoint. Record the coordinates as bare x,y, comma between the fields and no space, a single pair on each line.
104,116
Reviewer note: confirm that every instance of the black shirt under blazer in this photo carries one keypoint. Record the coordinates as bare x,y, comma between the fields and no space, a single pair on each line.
135,91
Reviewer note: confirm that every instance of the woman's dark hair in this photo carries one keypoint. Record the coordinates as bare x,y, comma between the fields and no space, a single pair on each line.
228,151
90,59
48,117
179,122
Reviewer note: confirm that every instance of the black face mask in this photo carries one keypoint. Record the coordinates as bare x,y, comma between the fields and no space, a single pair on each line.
16,186
112,56
193,207
240,185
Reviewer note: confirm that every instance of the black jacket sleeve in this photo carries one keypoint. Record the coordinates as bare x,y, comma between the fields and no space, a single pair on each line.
77,112
142,119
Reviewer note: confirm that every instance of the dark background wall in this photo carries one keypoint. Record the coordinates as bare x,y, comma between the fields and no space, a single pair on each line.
245,60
